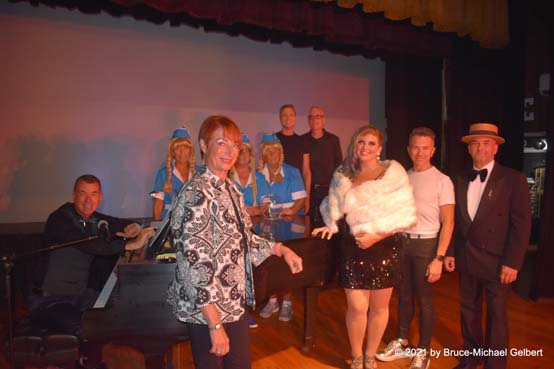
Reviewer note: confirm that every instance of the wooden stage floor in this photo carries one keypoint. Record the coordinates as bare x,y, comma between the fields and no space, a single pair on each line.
277,345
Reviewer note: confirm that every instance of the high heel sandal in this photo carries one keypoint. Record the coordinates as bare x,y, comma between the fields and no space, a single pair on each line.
369,362
357,362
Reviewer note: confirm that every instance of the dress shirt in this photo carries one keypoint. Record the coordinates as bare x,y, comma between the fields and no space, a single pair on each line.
475,190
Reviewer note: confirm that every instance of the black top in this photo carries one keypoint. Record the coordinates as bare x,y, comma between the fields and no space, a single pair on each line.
294,149
68,268
325,156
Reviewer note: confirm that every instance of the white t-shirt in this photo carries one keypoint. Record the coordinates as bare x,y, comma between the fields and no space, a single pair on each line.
432,189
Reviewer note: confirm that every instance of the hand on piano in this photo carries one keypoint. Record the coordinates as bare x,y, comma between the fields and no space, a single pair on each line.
130,231
325,232
138,242
292,259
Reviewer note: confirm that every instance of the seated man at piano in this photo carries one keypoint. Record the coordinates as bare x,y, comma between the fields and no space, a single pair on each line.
76,273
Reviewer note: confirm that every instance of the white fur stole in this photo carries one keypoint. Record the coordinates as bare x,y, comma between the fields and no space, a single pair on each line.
384,205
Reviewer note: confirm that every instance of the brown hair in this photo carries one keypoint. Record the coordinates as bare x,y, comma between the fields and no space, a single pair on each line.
287,106
422,131
87,178
351,164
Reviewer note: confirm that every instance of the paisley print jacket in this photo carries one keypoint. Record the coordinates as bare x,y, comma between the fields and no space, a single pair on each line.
213,264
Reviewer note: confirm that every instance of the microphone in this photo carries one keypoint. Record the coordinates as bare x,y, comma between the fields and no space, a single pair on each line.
104,230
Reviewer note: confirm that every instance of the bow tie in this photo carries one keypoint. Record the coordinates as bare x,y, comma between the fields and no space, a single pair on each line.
481,173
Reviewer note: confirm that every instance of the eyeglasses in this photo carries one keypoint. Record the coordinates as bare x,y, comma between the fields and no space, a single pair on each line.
318,116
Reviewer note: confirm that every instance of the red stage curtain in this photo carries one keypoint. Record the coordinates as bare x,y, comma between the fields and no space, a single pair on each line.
371,32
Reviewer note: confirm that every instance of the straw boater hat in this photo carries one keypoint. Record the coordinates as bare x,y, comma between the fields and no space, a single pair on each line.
483,130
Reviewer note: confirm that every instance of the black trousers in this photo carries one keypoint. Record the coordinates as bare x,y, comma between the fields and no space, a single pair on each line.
472,290
317,194
239,353
60,314
417,254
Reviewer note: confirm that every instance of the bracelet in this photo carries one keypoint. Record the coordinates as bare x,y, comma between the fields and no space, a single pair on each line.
215,327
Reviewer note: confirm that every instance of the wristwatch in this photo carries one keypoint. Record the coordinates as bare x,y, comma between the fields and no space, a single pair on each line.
440,258
215,327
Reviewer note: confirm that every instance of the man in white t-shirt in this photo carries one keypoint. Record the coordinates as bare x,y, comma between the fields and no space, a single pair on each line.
424,247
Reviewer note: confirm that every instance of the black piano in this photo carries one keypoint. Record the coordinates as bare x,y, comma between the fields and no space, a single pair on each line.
132,307
319,259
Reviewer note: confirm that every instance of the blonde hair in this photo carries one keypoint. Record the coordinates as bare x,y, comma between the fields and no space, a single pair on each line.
252,174
173,144
265,147
351,164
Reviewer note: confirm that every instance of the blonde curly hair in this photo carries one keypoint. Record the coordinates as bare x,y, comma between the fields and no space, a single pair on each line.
252,174
264,147
174,143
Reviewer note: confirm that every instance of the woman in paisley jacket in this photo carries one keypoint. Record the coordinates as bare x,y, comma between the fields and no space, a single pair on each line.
216,249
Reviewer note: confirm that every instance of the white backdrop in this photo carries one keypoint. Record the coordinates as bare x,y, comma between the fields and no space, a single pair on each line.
97,94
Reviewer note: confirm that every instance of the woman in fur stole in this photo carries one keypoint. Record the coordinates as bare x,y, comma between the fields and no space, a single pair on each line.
369,203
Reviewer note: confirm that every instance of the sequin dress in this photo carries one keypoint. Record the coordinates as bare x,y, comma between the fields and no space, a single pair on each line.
374,268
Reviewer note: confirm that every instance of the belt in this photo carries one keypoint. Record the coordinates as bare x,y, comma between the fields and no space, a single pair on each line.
318,186
420,236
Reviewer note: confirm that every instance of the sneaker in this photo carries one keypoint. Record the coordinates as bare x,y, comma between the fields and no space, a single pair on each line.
270,308
286,311
420,361
394,351
251,322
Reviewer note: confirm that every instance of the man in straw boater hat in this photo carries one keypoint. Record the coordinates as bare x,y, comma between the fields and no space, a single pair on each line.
491,235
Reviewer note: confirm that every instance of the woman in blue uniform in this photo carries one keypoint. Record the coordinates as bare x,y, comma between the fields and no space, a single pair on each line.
178,169
283,183
247,179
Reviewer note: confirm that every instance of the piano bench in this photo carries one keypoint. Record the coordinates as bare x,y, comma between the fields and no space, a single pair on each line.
117,356
56,349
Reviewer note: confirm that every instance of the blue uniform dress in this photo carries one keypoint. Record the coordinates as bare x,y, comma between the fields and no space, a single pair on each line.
176,183
290,189
247,191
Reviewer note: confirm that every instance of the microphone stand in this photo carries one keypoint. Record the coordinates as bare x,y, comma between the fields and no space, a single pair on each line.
8,262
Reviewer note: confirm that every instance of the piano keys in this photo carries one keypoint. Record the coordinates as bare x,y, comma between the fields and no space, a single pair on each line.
136,311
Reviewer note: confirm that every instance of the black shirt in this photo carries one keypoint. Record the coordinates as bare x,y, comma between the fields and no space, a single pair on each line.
293,147
325,156
68,268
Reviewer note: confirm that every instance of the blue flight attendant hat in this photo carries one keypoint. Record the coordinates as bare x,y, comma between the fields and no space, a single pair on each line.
270,137
181,133
245,138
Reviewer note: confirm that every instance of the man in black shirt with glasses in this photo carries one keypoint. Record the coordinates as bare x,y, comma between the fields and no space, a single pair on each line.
325,157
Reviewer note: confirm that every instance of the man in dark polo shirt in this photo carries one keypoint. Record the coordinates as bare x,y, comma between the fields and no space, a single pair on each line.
325,157
293,146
